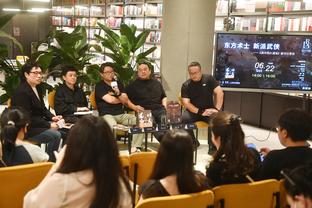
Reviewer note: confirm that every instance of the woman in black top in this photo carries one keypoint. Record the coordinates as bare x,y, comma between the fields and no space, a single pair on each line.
233,162
173,170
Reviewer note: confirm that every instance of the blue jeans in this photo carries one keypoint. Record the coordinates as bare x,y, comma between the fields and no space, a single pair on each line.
52,139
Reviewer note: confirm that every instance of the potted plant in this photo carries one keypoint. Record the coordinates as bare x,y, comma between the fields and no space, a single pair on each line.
124,49
70,49
8,68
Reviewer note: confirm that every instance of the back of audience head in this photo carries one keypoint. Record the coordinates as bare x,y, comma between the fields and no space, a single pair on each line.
297,123
229,139
13,122
91,145
298,185
175,156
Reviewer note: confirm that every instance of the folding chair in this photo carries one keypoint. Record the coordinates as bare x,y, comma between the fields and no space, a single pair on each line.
16,181
202,199
260,194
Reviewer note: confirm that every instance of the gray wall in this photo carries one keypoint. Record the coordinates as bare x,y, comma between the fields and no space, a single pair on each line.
187,36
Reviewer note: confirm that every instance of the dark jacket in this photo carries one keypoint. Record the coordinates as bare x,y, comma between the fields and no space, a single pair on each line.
40,117
66,102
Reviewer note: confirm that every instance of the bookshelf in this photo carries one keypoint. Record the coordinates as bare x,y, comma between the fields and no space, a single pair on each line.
144,14
264,15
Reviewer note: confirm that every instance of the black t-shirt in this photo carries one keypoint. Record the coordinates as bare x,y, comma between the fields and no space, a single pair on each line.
104,107
288,158
200,93
146,93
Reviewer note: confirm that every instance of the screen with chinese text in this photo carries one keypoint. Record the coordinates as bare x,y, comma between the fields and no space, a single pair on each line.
264,61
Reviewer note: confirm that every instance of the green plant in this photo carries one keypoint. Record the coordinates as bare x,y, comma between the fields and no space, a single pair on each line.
123,49
8,68
70,49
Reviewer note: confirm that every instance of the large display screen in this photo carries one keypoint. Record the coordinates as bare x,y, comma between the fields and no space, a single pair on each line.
264,61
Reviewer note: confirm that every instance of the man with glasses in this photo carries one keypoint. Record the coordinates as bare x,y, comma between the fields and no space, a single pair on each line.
69,98
201,96
109,97
43,127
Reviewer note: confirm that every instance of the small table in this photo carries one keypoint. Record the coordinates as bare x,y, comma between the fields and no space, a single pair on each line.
147,130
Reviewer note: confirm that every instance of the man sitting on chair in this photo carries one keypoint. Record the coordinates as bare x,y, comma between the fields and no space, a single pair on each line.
69,98
202,96
109,97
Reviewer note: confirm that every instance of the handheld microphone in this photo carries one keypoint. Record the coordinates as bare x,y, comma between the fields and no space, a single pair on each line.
114,85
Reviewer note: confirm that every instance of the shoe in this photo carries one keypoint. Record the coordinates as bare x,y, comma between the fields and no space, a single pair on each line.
135,150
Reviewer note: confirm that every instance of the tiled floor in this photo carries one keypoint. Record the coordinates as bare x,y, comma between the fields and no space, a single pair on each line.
260,137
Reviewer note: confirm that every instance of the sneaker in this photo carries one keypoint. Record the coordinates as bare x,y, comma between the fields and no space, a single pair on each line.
196,144
134,150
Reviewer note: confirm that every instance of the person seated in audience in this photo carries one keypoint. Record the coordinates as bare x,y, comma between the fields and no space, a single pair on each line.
15,150
173,171
87,172
294,128
43,127
233,161
298,186
69,98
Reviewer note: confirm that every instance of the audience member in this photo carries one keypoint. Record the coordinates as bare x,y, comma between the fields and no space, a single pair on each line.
201,96
15,150
43,127
173,170
298,185
147,93
69,98
294,128
233,161
109,96
87,172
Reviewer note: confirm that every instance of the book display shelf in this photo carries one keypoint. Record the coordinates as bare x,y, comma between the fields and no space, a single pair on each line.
144,14
264,15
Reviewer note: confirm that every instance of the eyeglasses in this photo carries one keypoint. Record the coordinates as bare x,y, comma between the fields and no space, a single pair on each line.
109,72
36,73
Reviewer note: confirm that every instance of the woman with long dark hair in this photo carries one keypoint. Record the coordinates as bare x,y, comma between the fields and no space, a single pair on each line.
87,172
233,161
15,150
173,170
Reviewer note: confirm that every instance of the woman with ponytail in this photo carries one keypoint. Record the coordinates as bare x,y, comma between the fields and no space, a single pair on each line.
233,162
16,151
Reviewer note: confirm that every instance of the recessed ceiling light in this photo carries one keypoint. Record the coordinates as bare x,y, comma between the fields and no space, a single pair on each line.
11,10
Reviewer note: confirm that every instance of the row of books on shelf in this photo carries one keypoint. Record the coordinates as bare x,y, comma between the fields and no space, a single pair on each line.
133,10
290,24
285,24
289,6
262,6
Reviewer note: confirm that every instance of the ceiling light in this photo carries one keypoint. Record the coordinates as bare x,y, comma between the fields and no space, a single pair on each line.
38,10
11,10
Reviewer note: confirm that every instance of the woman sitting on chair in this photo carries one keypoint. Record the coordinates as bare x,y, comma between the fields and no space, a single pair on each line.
233,162
173,170
87,172
15,150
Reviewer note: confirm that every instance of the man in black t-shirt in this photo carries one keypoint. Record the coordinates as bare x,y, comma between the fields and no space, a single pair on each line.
201,96
109,97
147,93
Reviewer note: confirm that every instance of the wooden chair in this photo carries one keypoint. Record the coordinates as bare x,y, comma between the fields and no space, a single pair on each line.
202,199
92,100
141,167
125,163
260,194
16,181
51,96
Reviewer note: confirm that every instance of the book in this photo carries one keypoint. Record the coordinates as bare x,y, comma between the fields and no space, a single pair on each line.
174,112
145,119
